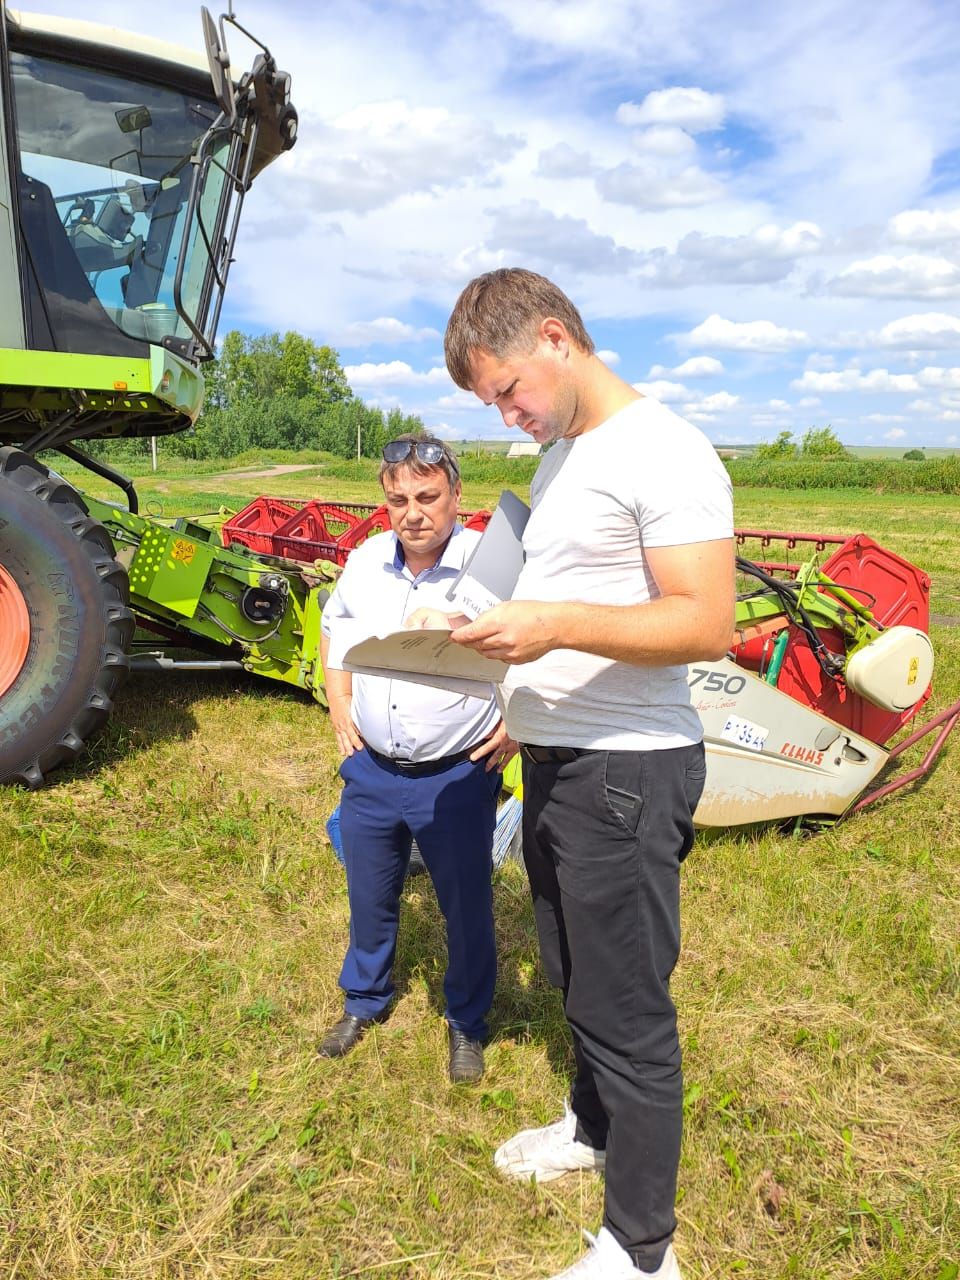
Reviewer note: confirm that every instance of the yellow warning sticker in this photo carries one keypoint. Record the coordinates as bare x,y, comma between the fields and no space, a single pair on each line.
914,671
183,550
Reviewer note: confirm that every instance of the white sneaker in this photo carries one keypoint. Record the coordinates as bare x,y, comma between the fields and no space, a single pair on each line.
607,1260
547,1153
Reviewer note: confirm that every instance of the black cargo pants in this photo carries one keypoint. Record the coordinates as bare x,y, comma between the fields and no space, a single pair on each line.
604,834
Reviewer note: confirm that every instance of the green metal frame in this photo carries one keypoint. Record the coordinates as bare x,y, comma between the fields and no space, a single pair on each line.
827,603
183,579
162,384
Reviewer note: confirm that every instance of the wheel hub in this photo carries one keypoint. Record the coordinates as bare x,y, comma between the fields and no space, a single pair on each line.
14,630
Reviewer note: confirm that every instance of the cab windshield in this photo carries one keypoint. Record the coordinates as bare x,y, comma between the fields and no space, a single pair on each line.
105,177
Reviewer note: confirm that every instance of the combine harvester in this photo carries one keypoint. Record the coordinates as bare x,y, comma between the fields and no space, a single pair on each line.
124,163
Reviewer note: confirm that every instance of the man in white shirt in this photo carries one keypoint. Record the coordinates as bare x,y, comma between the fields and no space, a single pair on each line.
420,763
628,576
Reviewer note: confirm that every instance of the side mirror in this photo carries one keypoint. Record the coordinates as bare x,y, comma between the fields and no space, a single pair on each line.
219,63
133,119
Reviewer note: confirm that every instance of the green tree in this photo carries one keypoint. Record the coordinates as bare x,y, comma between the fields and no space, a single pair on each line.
267,391
915,455
263,366
776,450
821,442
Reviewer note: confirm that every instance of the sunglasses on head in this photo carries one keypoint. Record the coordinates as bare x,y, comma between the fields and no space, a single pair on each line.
429,452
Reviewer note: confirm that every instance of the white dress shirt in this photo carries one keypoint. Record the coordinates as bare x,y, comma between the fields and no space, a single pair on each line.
400,718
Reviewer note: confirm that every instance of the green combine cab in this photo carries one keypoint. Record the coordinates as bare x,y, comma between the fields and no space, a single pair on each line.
123,169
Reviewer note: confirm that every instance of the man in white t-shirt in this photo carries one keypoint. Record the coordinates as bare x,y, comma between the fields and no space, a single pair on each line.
628,576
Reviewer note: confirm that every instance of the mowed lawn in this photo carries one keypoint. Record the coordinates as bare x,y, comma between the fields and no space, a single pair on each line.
172,922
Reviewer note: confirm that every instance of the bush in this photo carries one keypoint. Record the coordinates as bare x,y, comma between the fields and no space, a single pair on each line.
821,442
776,450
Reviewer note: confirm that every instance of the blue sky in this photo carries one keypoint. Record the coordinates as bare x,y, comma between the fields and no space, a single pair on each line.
756,208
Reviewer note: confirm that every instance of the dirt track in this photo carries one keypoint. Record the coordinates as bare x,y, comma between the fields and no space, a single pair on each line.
281,469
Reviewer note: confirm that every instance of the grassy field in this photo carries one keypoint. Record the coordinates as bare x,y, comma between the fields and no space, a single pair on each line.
171,931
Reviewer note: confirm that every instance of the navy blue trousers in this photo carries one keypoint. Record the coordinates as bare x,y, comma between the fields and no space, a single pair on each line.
451,815
603,839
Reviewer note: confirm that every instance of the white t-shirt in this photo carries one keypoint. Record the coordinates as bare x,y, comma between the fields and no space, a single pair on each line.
644,478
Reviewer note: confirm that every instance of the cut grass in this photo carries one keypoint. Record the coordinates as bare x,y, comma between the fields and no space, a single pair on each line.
171,933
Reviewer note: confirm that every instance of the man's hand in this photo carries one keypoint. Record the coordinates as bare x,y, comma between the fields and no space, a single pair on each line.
499,749
434,620
347,733
516,631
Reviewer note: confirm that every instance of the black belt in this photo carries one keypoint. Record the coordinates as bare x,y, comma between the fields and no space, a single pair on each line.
421,768
547,755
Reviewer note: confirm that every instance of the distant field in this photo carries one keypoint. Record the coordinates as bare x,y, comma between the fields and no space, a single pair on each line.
892,452
897,451
172,922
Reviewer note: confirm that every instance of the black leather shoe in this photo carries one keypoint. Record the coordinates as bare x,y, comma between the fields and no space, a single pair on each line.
466,1057
342,1037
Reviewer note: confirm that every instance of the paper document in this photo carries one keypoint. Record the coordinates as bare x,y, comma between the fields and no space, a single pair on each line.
427,657
491,572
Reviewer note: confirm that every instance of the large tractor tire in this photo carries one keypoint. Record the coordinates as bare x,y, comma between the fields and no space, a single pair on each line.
65,624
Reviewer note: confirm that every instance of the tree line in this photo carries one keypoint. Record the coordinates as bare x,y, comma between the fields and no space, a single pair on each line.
273,392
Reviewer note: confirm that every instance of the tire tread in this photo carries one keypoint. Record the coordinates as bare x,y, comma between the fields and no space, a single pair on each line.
68,506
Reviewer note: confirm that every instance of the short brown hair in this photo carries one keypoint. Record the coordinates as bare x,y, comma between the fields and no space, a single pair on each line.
500,312
447,463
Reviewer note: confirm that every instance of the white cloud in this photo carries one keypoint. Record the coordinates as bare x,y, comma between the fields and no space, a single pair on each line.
766,241
895,433
877,380
699,367
769,253
644,187
717,402
925,226
665,140
554,243
939,379
926,332
913,276
749,335
692,109
611,358
385,330
371,155
667,392
567,24
809,402
694,367
444,431
460,399
563,161
394,373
